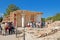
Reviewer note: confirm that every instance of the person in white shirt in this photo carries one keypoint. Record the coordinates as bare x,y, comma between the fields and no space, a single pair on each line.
36,24
30,24
3,27
6,27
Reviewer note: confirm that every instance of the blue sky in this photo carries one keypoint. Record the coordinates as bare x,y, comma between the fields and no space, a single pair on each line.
48,7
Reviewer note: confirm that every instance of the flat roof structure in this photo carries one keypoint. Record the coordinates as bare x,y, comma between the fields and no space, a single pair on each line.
22,17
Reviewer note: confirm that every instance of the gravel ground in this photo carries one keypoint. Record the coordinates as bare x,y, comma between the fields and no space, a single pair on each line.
29,36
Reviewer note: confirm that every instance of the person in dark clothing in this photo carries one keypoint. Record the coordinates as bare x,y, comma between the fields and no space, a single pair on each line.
11,28
0,27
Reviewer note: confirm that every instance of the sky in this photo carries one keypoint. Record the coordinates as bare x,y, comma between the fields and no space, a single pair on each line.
47,7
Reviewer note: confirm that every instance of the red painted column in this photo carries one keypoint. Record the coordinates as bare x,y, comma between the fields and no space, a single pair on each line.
14,19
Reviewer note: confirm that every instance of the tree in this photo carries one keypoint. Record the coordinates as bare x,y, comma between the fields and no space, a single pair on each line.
54,18
11,8
1,18
43,19
48,18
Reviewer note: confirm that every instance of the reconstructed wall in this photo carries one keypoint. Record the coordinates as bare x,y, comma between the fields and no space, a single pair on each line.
16,17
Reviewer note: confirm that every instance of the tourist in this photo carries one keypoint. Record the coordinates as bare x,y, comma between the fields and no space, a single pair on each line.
36,24
30,24
11,28
0,28
6,27
39,25
3,28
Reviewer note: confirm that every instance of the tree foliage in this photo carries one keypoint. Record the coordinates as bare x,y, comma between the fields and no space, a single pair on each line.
43,19
48,18
1,18
54,18
11,8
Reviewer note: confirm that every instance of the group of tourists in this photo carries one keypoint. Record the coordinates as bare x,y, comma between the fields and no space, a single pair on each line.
7,27
34,24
